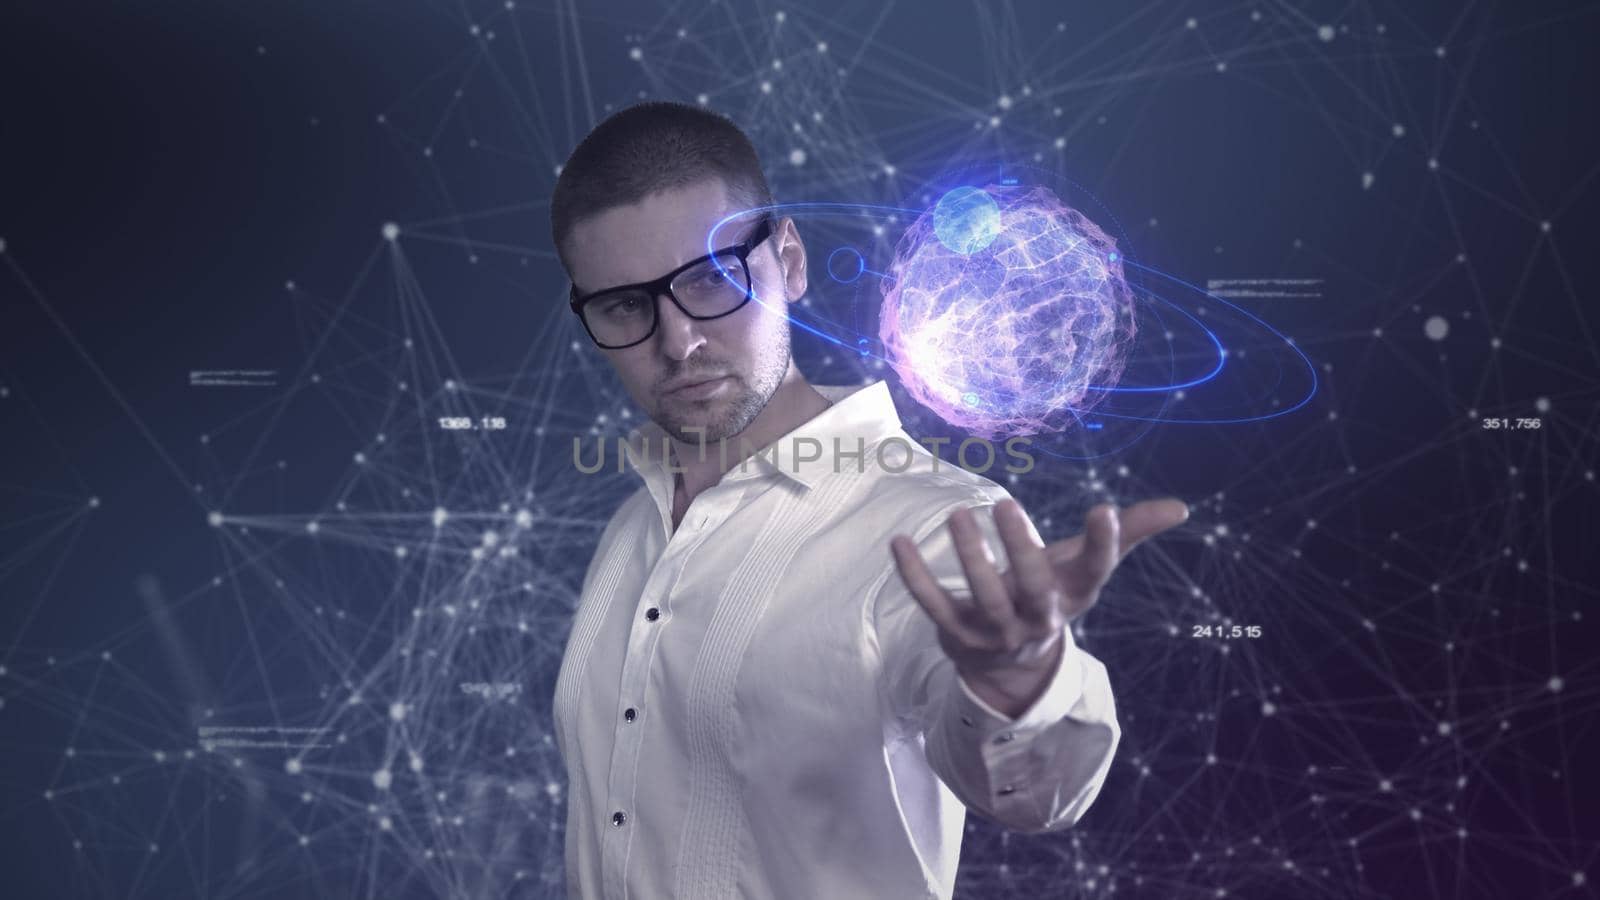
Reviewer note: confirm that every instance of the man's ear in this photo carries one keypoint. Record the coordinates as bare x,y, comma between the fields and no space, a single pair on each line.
792,259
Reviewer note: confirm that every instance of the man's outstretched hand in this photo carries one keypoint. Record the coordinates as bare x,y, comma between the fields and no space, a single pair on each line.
1006,640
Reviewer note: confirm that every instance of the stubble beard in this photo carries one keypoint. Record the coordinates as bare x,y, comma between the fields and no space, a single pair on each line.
739,410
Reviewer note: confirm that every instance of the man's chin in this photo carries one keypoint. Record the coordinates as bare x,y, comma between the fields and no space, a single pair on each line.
716,418
687,422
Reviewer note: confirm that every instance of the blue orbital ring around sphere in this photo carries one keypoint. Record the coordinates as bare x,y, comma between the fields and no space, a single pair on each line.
856,209
711,242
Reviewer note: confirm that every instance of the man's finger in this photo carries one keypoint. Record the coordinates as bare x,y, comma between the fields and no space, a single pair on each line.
1145,520
933,599
1101,551
977,561
1036,581
1138,522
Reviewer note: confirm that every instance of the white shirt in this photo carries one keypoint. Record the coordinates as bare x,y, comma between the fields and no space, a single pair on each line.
754,706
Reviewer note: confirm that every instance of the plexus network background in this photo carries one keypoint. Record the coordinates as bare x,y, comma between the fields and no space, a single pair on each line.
291,534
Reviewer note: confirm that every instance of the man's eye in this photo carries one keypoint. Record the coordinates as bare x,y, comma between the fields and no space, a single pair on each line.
625,306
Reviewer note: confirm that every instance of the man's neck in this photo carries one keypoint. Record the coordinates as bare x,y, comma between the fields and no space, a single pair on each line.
794,403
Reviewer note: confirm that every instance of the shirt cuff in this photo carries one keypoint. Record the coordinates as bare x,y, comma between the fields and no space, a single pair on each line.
1065,687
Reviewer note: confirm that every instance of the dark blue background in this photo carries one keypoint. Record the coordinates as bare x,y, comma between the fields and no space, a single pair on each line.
162,180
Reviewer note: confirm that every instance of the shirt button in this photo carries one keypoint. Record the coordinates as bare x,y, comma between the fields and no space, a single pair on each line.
617,818
1008,789
1004,738
967,721
652,614
628,714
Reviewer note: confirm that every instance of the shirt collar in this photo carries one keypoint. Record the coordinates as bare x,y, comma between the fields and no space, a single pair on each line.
861,416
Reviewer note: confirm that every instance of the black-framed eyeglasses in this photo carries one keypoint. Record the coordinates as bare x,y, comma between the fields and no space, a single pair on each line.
713,286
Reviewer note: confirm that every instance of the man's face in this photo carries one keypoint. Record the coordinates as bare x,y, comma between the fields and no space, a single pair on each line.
750,347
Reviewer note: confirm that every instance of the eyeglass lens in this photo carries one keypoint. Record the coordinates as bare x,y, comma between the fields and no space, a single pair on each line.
712,288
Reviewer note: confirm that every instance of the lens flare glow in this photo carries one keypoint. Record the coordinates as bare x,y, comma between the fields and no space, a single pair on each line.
1021,336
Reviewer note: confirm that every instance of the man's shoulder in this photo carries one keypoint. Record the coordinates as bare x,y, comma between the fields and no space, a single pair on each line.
637,503
918,483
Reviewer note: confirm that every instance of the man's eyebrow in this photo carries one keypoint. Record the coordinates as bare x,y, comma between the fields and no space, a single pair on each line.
755,225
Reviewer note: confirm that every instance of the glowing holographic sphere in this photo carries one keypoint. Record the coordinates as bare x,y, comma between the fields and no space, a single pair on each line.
966,220
1019,334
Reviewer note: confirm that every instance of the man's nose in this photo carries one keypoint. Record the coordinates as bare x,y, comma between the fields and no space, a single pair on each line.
679,335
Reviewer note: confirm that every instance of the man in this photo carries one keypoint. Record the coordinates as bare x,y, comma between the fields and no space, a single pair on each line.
763,695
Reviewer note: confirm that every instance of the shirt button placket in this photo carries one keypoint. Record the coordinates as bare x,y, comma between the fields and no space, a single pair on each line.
626,747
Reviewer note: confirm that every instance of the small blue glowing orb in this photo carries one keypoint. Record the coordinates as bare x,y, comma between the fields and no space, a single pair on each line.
966,220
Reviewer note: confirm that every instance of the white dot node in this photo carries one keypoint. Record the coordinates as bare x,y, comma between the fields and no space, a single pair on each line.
636,54
293,766
1542,404
382,779
390,231
797,157
1436,328
1325,33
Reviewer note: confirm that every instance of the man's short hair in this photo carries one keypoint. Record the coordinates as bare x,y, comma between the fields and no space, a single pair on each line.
650,147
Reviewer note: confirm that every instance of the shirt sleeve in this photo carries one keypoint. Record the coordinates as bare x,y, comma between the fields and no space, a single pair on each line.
1036,773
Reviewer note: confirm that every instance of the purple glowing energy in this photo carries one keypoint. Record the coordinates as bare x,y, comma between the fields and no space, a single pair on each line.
1019,337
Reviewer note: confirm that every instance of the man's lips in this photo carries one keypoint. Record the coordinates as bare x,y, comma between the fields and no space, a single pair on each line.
674,388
